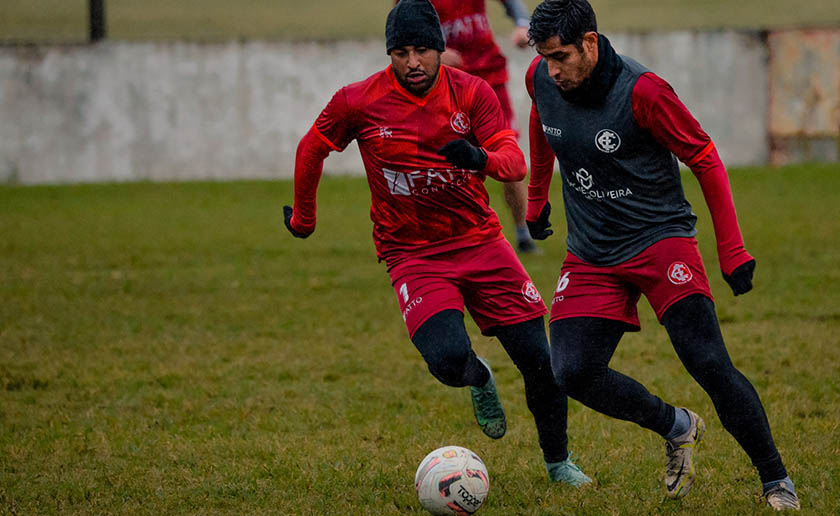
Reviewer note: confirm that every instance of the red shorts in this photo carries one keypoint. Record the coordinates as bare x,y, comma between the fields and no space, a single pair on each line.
665,272
488,279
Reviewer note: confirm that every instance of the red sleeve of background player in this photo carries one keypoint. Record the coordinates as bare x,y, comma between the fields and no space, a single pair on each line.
505,161
329,132
657,108
542,155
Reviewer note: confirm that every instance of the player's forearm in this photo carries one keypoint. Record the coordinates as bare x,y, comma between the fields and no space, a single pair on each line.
309,164
714,182
505,161
542,167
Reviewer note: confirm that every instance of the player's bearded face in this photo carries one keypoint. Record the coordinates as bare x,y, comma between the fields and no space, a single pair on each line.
570,65
416,68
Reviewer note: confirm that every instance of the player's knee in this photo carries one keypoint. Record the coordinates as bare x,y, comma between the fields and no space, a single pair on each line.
573,377
449,368
711,369
574,374
445,346
707,363
527,346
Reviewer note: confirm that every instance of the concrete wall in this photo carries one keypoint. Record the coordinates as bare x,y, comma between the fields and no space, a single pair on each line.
126,111
177,111
804,95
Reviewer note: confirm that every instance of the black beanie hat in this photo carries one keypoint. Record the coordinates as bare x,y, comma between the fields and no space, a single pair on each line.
415,23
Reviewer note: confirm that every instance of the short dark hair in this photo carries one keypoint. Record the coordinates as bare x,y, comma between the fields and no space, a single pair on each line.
568,19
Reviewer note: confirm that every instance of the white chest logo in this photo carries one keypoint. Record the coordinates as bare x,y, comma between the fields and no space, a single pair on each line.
459,122
584,178
552,131
607,140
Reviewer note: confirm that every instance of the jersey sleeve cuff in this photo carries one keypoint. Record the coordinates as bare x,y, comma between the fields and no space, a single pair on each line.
326,140
498,136
702,154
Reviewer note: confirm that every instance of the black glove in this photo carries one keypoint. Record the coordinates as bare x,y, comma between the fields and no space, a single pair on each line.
287,214
463,154
741,278
539,229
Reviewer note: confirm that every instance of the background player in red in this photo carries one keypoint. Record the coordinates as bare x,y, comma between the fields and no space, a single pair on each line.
617,130
470,46
428,136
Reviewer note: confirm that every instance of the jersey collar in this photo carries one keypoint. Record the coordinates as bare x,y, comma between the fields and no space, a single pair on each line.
420,101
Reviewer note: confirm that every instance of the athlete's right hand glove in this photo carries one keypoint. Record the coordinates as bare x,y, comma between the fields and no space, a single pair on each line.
741,278
539,229
287,215
463,154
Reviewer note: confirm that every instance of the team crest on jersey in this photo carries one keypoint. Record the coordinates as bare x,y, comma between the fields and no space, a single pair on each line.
679,273
459,122
530,292
607,141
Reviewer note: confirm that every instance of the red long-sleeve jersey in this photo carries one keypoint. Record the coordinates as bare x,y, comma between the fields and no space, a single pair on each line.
420,203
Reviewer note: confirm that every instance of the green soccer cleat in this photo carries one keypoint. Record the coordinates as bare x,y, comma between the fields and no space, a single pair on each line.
567,472
679,473
782,497
488,409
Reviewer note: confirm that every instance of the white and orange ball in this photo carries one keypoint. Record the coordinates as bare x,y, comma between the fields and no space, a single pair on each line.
452,480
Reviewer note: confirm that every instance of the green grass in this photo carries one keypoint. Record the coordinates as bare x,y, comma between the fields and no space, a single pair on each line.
213,20
171,349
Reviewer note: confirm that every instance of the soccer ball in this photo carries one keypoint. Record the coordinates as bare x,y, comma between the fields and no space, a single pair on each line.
451,481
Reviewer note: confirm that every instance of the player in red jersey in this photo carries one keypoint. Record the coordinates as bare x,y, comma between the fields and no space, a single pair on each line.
617,130
429,135
470,46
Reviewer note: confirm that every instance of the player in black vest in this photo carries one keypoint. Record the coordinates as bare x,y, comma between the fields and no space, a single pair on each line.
617,131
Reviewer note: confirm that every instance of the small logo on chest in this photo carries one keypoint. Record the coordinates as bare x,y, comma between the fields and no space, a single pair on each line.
385,132
459,122
552,131
584,178
607,141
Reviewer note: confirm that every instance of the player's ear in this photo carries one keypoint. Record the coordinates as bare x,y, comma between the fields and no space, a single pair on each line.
590,42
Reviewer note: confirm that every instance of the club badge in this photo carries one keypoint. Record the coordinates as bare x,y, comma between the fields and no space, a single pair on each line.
530,292
679,273
459,122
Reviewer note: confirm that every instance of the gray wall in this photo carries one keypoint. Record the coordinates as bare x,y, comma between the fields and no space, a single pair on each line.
804,95
178,111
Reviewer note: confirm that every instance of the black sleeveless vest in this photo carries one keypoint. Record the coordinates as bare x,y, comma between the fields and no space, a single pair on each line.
621,189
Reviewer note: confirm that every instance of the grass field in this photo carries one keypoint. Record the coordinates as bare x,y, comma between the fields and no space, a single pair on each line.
170,349
66,20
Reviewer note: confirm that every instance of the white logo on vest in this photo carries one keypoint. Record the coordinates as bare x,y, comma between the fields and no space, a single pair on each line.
586,183
552,131
584,178
607,141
